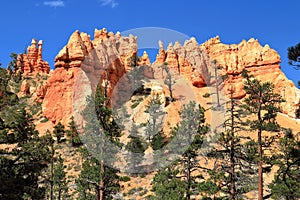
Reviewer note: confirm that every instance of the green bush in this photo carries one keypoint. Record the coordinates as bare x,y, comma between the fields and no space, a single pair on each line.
125,178
206,95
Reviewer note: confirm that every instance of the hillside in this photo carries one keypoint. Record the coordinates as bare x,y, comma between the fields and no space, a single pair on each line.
109,60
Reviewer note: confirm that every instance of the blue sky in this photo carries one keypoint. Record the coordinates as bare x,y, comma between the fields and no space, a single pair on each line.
273,22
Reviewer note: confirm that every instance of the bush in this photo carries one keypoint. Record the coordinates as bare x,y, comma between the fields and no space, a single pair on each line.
206,95
125,178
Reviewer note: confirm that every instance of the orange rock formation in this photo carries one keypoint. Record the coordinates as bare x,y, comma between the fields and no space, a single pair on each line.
107,57
31,63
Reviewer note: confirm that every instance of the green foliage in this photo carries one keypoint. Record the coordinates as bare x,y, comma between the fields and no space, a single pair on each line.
13,63
60,184
155,122
96,178
21,167
7,98
294,55
167,184
233,163
286,184
59,131
136,102
169,80
177,181
136,148
73,134
125,178
91,176
263,103
158,141
206,95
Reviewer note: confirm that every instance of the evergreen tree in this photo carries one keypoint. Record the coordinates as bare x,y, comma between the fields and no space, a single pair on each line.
263,103
286,184
60,184
156,118
294,56
98,180
13,63
7,98
73,134
169,80
136,148
21,167
233,164
189,135
168,185
59,131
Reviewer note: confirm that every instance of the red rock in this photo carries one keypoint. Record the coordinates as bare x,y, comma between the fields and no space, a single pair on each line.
262,62
107,57
32,62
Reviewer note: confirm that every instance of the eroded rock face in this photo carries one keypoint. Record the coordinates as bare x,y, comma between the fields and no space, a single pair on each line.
188,61
32,63
104,60
83,62
262,62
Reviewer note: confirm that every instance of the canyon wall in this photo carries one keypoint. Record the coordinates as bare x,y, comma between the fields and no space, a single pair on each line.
107,58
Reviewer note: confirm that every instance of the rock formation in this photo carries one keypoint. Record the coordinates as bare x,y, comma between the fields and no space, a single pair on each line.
83,62
262,62
188,61
32,62
105,59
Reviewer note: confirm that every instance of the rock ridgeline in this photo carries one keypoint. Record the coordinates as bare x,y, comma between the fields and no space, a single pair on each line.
32,62
261,61
105,58
108,57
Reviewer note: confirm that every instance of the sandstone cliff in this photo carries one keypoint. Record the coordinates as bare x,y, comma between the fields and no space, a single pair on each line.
262,62
107,57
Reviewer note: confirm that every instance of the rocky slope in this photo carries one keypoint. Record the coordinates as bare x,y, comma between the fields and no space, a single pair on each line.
85,62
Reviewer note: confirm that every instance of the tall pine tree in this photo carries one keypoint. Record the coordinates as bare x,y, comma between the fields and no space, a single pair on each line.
263,103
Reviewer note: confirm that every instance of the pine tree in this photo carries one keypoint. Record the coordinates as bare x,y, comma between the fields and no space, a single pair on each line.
156,117
286,184
73,134
233,166
60,184
263,103
169,80
22,166
188,135
168,185
13,63
98,179
59,131
136,148
294,56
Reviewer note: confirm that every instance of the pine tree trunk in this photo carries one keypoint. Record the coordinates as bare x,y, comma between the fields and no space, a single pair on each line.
101,183
51,173
260,155
260,167
232,151
59,194
97,190
232,173
188,194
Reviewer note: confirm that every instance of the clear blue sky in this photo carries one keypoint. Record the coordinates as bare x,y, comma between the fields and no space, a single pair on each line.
273,22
